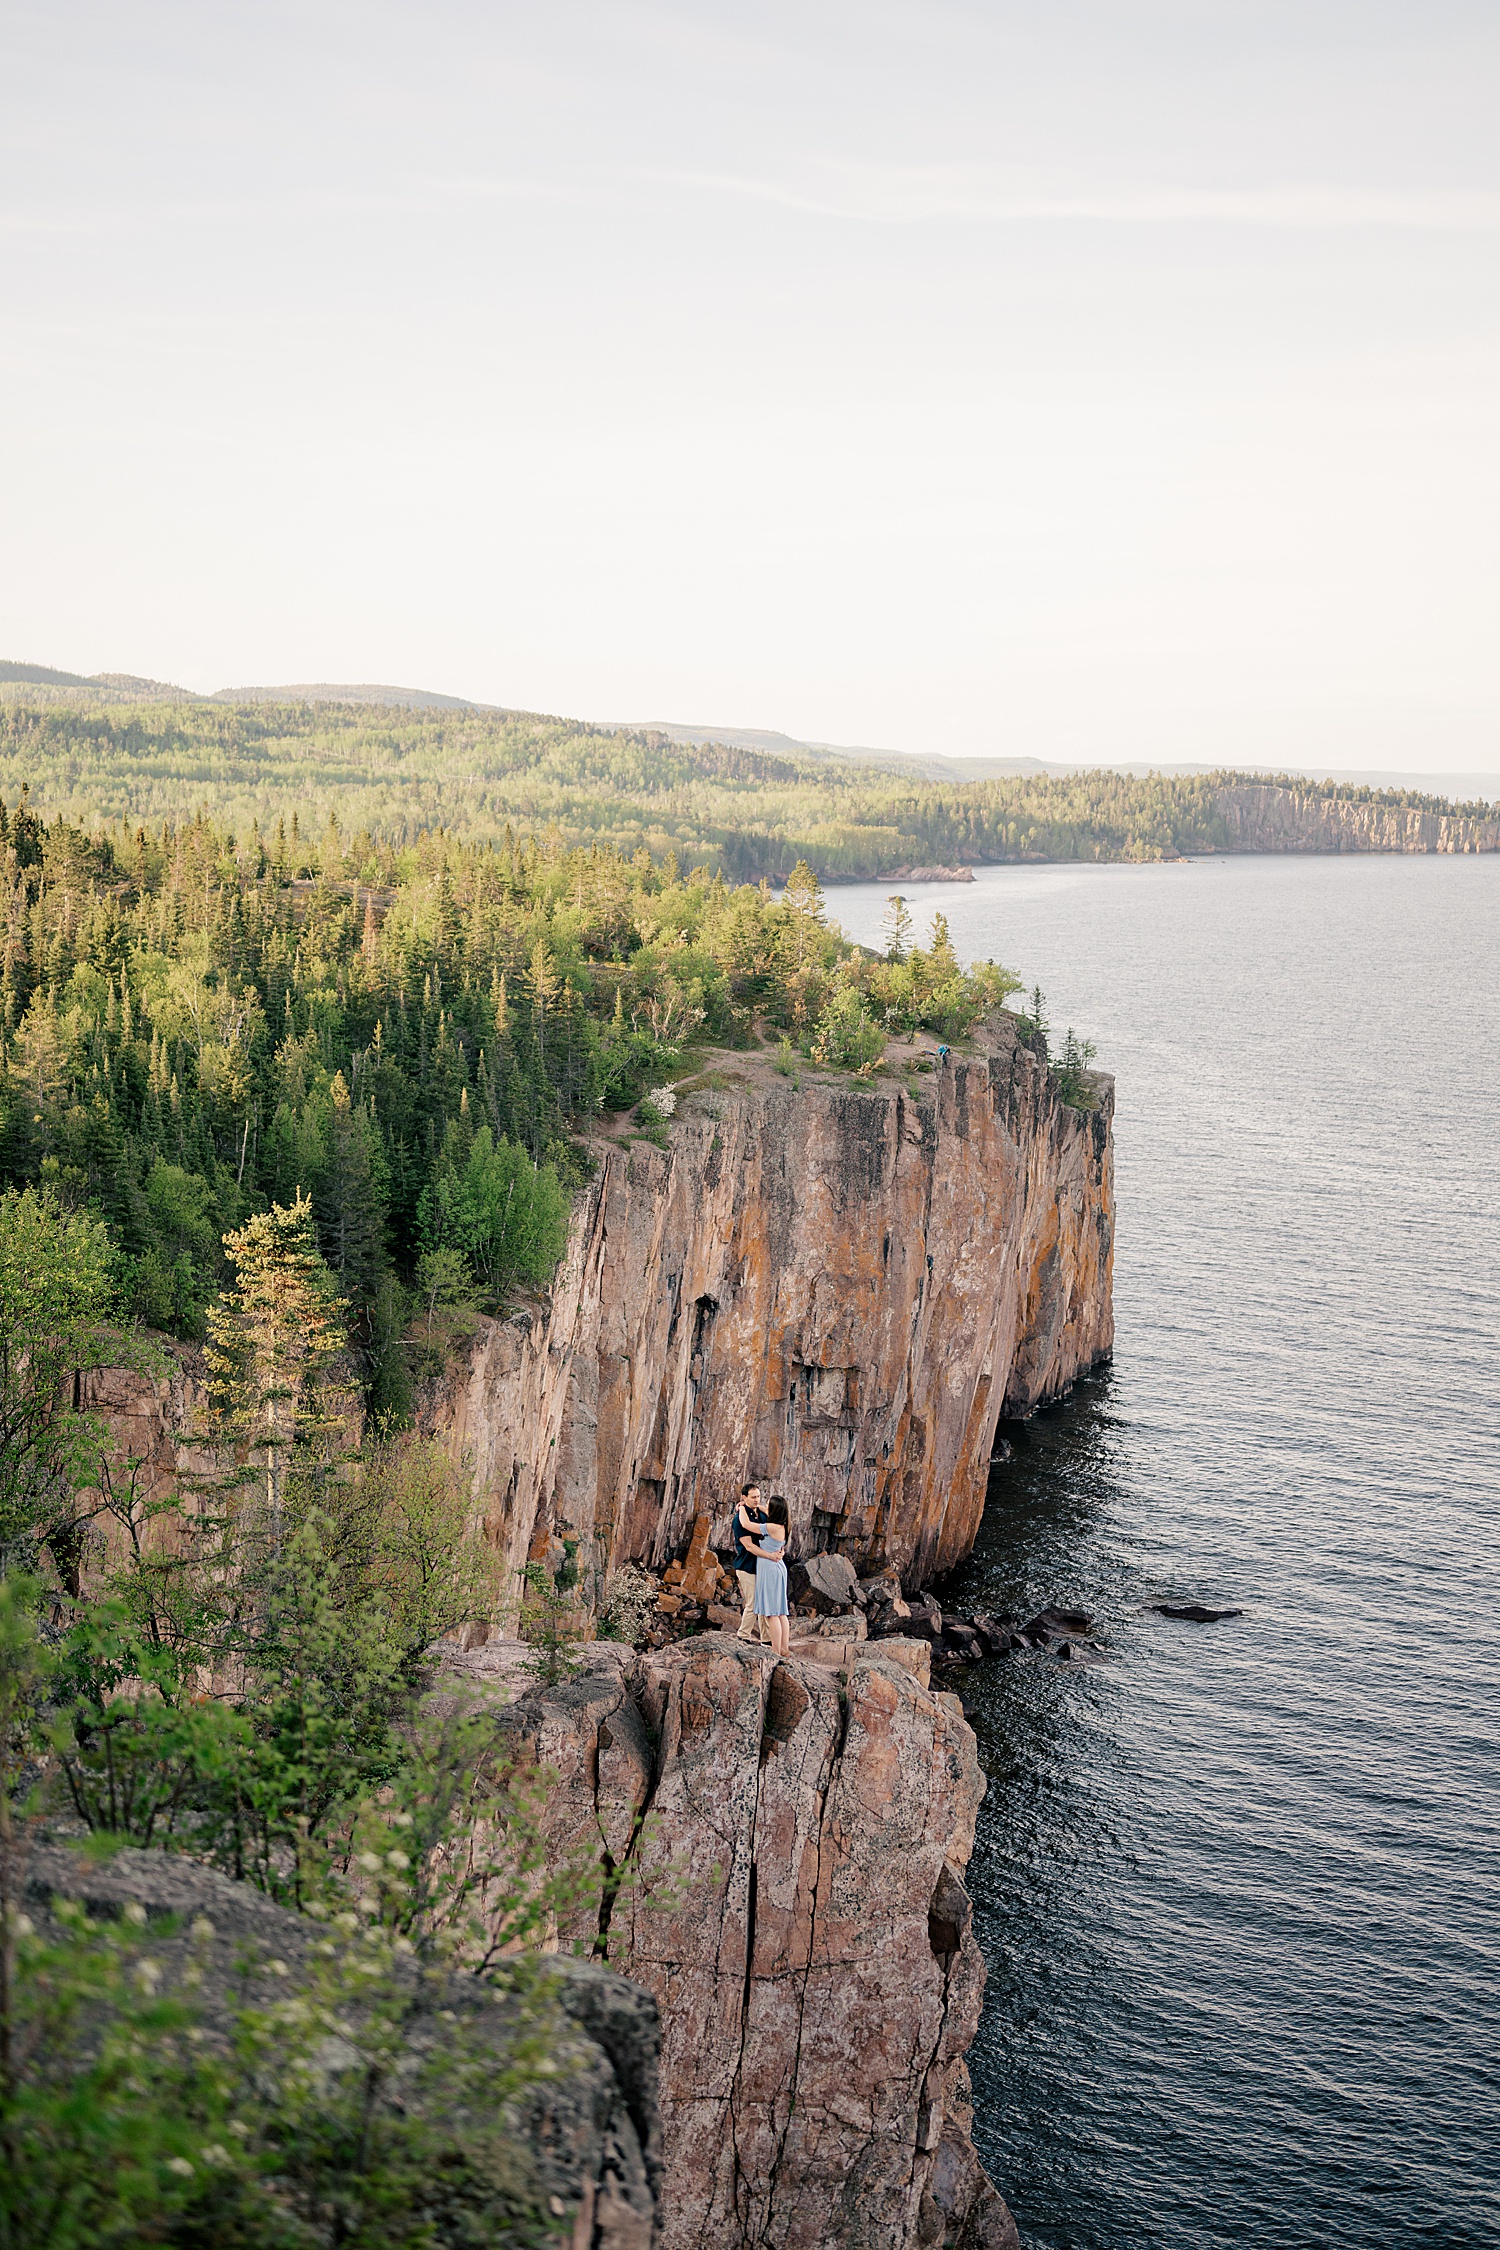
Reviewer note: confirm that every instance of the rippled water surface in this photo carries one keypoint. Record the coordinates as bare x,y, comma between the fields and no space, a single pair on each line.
1237,1887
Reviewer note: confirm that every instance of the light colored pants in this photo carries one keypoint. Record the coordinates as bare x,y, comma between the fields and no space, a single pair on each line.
752,1628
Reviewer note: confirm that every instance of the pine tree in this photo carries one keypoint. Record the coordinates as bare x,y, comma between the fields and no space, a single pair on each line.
803,901
347,1202
897,926
940,949
274,1340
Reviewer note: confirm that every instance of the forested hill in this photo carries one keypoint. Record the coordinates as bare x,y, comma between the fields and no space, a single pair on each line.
194,1026
94,756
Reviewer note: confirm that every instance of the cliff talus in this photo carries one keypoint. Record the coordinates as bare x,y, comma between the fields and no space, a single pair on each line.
836,1287
799,1915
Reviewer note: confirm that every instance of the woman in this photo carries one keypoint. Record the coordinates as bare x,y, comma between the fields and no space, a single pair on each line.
769,1551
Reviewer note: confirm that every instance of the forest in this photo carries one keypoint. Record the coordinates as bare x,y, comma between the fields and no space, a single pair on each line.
298,1099
201,1025
395,773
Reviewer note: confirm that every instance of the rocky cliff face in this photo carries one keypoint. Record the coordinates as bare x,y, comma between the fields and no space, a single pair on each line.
797,1837
836,1288
1267,818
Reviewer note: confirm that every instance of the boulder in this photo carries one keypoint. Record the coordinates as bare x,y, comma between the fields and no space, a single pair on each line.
1067,1620
826,1582
881,1591
997,1635
701,1569
848,1625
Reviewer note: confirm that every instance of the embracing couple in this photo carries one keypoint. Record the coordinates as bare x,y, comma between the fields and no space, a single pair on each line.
760,1537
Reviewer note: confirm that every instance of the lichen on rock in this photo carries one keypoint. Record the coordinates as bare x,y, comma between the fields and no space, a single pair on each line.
796,1837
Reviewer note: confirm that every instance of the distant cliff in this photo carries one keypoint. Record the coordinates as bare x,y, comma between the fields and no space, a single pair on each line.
1280,817
837,1289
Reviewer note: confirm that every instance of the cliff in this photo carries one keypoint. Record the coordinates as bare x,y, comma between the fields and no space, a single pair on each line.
795,1839
836,1287
1275,817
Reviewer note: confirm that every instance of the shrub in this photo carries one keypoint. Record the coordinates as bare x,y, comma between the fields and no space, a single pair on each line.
846,1035
506,1216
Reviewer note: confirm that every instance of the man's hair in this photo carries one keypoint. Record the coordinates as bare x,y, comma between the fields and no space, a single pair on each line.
776,1509
747,1489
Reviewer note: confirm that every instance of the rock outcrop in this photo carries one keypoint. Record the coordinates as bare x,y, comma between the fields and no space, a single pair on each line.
795,1838
1279,817
836,1287
585,2143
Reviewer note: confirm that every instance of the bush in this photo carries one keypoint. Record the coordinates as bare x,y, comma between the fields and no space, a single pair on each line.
629,1600
1073,1072
506,1216
846,1035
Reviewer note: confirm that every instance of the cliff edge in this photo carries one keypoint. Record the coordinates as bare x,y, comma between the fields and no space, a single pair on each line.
833,1286
795,1838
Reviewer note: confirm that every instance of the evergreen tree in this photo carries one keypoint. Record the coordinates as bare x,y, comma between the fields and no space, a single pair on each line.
347,1201
274,1340
897,926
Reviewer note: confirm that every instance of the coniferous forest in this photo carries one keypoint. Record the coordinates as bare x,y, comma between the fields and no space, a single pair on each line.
397,773
200,1025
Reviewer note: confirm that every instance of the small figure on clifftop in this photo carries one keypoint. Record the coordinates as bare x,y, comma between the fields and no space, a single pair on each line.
749,1522
770,1575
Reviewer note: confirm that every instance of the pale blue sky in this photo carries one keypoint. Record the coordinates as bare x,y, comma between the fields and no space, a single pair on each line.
1084,380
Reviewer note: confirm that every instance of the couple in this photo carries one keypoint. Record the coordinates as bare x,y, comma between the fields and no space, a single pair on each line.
760,1537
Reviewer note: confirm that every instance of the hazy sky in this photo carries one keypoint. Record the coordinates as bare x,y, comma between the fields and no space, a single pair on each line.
1069,378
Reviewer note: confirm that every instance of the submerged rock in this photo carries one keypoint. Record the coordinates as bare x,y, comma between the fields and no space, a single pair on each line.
1194,1613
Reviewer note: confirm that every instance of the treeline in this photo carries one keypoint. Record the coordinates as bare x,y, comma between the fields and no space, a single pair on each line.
198,1025
399,773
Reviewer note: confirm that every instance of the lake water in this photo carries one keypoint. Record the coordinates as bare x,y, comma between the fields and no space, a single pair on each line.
1237,1888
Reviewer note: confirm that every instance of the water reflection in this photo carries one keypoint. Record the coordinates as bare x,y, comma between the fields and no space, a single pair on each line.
1055,1830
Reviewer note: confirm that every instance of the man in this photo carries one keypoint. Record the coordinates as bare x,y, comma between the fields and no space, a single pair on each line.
750,1520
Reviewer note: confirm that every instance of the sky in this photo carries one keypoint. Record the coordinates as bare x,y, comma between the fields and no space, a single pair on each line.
1081,381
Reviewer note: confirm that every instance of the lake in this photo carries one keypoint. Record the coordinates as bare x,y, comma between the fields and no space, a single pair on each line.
1237,1887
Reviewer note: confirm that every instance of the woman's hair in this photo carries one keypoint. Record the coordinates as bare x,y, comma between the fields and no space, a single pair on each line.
776,1509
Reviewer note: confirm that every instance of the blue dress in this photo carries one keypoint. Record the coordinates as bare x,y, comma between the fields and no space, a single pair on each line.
770,1578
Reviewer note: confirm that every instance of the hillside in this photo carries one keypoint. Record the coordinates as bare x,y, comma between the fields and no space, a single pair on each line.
92,755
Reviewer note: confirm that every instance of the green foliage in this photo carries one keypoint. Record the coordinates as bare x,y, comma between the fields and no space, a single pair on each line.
275,1339
897,924
393,775
1073,1072
57,1299
553,1625
366,2107
327,1628
402,1037
257,1702
845,1033
503,1216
